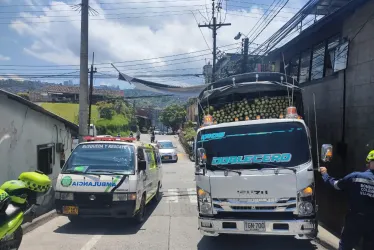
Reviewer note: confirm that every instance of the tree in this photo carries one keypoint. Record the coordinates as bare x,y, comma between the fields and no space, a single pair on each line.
173,116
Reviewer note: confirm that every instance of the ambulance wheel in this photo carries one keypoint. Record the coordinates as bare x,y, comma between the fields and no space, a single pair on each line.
157,197
139,217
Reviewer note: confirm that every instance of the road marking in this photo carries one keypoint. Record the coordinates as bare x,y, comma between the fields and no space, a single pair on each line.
92,242
172,196
192,195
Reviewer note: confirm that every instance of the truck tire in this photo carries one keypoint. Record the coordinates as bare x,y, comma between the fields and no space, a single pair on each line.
75,219
140,215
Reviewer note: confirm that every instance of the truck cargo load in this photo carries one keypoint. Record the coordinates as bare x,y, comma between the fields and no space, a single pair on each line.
250,96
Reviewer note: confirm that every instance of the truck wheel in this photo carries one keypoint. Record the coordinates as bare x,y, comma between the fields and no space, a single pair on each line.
139,217
75,219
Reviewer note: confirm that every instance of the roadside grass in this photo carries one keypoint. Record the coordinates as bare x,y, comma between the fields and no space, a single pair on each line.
69,111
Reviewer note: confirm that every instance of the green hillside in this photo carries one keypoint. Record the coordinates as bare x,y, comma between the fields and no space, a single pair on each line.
69,111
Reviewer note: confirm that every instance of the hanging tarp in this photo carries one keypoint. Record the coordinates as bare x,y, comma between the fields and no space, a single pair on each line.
190,91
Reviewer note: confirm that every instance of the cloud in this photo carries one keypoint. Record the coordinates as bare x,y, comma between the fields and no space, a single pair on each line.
4,58
133,30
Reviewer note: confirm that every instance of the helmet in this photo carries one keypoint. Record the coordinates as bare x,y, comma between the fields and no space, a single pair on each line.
16,190
370,156
4,200
36,181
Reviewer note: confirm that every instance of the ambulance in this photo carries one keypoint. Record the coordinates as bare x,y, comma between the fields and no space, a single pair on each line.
109,178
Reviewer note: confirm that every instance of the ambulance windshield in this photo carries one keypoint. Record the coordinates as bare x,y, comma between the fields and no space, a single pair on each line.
101,157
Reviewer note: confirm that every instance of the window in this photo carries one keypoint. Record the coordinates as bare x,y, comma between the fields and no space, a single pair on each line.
341,57
102,157
332,43
45,158
141,154
304,66
318,61
294,66
150,158
291,138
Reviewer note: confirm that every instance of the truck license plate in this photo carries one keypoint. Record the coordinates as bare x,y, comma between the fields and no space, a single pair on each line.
254,226
70,210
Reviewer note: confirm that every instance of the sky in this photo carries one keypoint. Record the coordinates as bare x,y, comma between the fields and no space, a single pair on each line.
140,37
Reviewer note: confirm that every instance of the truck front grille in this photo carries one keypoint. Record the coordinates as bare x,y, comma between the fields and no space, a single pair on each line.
255,205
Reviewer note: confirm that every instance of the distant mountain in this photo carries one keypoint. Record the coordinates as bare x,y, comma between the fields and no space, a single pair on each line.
15,87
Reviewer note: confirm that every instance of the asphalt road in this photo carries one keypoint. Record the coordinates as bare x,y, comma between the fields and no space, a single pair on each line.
171,224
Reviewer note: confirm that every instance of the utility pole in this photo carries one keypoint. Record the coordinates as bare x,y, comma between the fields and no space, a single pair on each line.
92,71
214,27
245,55
83,85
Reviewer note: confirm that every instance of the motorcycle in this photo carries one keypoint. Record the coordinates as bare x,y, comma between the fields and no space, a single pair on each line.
18,204
191,153
152,138
138,137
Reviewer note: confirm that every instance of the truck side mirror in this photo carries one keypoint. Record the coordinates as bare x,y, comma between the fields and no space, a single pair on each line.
142,165
201,156
326,152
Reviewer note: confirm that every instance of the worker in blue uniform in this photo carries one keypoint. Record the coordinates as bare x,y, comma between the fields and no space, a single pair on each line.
359,222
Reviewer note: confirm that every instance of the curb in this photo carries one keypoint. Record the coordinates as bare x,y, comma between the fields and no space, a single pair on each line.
39,221
327,239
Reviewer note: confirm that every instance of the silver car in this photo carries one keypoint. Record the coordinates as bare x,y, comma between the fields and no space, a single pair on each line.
167,151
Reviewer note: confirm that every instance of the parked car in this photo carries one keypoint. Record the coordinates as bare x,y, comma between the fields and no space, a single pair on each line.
167,150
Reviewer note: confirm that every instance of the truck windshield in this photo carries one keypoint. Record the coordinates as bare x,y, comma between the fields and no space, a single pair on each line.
101,157
252,146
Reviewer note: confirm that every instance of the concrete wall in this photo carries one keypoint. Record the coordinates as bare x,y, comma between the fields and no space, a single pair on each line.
27,129
359,112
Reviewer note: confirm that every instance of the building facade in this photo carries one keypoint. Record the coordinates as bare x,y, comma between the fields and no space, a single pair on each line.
32,138
333,61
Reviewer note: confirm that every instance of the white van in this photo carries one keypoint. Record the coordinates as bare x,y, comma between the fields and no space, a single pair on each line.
109,179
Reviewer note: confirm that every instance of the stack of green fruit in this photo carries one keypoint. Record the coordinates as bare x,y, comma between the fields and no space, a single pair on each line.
263,108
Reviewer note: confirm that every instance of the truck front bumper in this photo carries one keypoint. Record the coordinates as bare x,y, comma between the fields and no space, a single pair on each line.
302,228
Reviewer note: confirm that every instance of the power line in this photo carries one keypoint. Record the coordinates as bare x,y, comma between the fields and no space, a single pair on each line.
107,14
125,8
121,62
171,13
140,2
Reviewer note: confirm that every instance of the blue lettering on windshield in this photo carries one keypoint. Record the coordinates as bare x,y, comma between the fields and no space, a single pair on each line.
261,158
93,184
212,136
221,135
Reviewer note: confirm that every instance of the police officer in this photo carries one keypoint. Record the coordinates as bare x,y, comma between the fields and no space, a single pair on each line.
359,222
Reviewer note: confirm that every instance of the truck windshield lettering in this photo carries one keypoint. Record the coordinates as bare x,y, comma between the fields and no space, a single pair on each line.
238,147
248,159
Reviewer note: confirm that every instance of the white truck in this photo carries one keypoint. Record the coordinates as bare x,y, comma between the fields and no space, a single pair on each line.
254,173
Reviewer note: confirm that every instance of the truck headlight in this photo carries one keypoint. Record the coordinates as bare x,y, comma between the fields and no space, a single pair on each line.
64,196
306,192
305,199
205,201
305,208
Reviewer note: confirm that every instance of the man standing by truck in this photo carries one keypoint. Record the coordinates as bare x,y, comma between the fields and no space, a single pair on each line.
359,222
